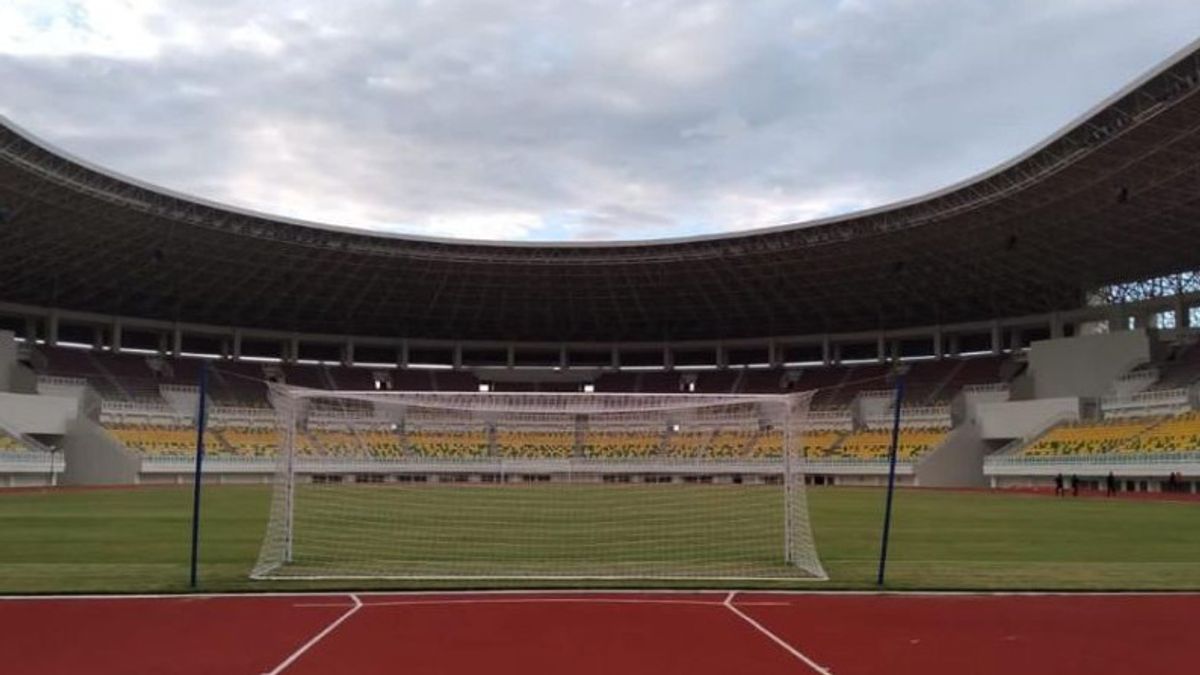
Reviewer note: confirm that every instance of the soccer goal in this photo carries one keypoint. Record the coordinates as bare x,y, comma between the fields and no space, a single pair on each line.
538,486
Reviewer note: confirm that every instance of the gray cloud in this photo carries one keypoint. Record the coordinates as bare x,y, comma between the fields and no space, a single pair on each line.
569,120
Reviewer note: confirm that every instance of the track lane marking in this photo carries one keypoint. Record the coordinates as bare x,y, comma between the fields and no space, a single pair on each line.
774,638
358,604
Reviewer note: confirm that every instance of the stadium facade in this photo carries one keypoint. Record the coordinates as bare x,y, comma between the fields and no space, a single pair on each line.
1084,246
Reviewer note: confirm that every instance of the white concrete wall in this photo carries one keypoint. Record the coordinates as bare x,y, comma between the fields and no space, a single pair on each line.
94,457
1086,365
957,462
966,403
33,414
8,359
1021,419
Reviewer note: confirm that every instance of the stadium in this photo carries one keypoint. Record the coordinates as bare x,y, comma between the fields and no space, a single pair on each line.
603,439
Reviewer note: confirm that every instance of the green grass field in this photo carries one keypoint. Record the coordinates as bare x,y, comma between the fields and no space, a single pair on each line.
137,541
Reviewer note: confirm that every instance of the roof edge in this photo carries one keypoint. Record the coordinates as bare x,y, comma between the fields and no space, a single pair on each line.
980,177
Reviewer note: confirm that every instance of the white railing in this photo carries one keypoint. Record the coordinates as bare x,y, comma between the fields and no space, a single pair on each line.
264,416
136,407
926,410
1105,458
916,416
1143,464
829,419
1147,376
52,385
62,381
30,462
682,466
1147,399
985,388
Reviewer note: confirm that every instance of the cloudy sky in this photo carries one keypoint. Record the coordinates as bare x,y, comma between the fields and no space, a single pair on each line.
571,119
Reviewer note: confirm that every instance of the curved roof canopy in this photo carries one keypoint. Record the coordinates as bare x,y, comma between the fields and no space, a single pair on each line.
1113,197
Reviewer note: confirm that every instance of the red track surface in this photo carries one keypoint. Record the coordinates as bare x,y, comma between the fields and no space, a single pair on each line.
592,633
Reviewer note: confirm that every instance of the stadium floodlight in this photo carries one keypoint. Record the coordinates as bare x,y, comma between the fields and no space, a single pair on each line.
486,485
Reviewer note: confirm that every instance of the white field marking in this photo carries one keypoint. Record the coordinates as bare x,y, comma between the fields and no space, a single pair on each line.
317,638
528,578
774,638
1133,563
250,595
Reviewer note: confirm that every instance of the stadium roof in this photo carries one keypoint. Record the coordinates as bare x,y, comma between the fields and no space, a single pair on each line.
1113,197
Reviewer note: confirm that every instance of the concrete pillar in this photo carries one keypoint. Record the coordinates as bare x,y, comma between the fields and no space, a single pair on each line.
1182,320
668,358
997,346
615,359
1119,320
31,329
237,344
722,357
562,357
291,351
1015,335
176,342
826,351
774,358
116,336
402,354
458,357
937,343
52,328
880,348
348,353
1056,326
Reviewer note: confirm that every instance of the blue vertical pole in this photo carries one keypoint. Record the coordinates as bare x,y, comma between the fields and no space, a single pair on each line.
201,418
891,487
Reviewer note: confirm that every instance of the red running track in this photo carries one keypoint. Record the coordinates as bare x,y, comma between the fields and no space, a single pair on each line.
596,632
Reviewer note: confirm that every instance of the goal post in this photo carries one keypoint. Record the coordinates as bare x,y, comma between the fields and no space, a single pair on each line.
538,486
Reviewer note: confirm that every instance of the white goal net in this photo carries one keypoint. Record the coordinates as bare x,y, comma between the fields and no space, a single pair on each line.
440,485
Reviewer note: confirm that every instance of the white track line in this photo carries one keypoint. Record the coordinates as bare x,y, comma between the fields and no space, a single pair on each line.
317,638
774,638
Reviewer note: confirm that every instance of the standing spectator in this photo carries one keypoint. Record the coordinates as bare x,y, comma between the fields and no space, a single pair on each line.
1058,486
1110,484
1074,485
